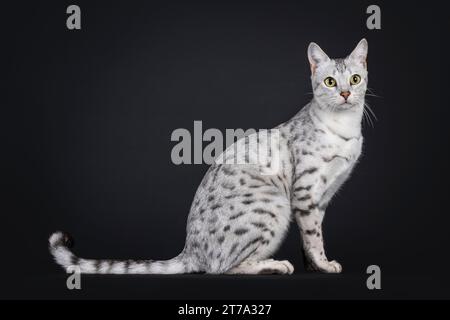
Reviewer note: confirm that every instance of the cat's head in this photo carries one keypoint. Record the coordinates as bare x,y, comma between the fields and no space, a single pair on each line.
339,84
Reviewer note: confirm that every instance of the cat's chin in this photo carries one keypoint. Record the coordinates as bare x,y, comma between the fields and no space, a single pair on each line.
345,106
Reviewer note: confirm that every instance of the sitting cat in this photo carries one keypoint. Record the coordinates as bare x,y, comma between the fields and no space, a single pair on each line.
239,216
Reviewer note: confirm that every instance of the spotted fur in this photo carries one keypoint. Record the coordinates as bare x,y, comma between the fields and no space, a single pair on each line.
239,215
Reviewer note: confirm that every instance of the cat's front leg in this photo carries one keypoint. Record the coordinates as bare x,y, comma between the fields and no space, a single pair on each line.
309,220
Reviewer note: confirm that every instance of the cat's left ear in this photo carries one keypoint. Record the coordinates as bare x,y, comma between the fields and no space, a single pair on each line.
359,54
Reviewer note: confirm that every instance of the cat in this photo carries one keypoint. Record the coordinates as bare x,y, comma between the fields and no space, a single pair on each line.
240,216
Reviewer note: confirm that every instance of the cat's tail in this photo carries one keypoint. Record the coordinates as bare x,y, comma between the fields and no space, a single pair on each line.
60,244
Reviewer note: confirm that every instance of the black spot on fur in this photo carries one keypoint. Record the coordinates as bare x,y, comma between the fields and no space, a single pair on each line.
307,171
228,171
319,131
240,231
228,186
237,215
250,243
329,159
68,240
301,188
233,247
64,240
260,225
302,212
271,192
75,260
195,244
263,211
304,198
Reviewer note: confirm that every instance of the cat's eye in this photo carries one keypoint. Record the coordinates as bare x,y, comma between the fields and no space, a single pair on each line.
330,82
355,79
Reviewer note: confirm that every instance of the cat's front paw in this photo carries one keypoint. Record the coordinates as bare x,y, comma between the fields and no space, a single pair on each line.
333,267
326,267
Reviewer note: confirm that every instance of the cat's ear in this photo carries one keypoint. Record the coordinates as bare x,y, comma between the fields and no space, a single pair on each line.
316,56
359,54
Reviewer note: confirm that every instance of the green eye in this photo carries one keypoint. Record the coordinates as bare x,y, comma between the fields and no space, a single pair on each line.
355,79
330,82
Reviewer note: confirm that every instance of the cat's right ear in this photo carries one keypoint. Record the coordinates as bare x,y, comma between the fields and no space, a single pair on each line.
316,56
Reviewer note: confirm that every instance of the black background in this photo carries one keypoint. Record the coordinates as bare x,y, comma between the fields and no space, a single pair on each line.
87,117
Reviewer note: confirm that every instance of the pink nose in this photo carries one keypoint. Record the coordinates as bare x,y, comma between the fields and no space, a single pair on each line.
345,94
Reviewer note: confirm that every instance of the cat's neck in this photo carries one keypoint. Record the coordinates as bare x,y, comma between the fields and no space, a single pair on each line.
346,123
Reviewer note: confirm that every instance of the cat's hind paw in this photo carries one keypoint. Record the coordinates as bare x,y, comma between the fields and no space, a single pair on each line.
277,267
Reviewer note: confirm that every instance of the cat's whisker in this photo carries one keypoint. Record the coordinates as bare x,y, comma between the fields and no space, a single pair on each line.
370,90
367,118
373,95
366,105
371,121
369,115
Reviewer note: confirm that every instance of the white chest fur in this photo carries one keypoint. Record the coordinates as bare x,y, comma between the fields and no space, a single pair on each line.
340,143
336,164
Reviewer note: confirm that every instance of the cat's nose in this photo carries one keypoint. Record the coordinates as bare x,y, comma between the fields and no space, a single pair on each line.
345,94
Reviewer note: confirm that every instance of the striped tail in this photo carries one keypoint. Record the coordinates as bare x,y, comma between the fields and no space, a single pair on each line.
60,244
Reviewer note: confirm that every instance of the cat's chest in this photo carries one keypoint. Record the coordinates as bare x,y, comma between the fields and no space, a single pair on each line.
341,155
350,149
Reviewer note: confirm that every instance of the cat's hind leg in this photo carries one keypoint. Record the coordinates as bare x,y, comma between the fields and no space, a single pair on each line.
268,266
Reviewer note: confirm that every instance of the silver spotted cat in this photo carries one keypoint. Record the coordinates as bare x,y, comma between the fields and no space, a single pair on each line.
239,215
